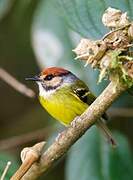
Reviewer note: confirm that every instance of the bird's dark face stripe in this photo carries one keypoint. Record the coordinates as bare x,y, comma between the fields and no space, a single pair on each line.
56,81
52,84
48,88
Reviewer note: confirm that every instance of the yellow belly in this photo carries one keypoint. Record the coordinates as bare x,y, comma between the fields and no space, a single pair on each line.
63,107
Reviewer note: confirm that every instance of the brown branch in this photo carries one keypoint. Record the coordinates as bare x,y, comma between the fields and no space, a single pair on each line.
29,155
9,79
120,112
111,32
16,141
73,133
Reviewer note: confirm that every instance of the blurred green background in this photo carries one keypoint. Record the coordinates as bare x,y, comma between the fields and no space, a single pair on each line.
42,33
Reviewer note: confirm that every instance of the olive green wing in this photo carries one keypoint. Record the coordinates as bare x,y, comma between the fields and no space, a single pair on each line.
82,92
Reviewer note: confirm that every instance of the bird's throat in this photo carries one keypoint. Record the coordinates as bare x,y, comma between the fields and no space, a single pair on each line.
45,93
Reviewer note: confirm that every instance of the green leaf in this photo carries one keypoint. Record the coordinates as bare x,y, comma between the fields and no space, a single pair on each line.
52,41
4,158
84,16
93,158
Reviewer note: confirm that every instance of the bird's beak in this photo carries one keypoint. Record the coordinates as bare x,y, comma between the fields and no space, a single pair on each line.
35,78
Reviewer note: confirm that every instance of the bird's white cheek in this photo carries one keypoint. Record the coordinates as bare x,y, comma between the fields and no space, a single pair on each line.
41,89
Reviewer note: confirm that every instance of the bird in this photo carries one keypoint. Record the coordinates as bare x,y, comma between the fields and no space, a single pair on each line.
66,97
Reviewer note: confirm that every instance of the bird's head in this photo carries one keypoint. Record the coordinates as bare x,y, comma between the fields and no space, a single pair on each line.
51,79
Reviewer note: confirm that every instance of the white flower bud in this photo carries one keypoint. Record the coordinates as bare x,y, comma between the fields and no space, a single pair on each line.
114,18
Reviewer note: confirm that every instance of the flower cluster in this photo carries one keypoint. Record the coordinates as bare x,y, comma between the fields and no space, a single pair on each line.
113,53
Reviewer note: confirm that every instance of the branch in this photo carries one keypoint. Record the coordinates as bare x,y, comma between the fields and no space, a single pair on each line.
23,89
16,141
29,155
120,112
73,133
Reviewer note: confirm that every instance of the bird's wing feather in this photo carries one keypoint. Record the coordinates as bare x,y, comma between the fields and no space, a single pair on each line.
84,95
82,92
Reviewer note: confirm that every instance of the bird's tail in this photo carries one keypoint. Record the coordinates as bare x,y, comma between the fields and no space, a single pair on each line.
105,130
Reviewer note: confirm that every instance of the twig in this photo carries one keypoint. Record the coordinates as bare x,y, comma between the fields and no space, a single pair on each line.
5,170
9,79
16,141
73,133
120,112
29,156
118,29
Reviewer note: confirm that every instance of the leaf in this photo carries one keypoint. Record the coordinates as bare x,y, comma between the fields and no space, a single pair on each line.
52,41
4,158
85,16
92,158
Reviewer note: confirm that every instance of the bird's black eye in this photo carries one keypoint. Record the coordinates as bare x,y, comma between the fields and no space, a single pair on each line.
48,77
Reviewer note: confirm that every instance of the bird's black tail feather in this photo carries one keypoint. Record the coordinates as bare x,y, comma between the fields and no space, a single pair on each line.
105,130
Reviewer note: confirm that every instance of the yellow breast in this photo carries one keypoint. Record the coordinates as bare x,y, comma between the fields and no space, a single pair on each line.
63,106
